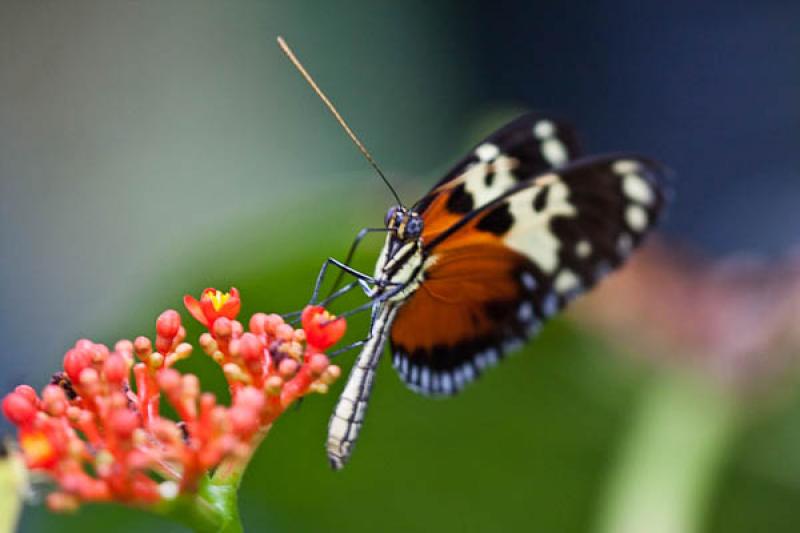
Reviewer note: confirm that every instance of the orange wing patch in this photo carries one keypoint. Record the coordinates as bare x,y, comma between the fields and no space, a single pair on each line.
447,306
473,301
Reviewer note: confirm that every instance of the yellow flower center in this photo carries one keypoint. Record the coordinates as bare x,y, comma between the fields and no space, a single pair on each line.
36,447
218,299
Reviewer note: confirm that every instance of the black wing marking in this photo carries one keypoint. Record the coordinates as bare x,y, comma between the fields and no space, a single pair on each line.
535,142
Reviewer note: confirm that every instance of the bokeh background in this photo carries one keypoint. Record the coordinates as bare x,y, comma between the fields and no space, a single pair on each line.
149,149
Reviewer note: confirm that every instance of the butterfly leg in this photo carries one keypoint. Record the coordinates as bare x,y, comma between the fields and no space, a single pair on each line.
351,252
362,280
346,269
349,347
341,292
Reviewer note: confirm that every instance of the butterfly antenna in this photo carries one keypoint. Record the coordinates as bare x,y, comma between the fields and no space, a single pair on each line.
299,66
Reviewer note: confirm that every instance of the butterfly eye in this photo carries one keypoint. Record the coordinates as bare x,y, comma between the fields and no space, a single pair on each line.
414,227
390,214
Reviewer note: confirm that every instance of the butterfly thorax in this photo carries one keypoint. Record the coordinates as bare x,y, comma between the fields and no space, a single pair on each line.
400,266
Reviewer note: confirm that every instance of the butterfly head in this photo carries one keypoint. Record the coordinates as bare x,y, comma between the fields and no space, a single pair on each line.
404,223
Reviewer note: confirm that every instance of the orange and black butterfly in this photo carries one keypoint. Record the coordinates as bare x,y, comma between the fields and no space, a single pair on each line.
505,240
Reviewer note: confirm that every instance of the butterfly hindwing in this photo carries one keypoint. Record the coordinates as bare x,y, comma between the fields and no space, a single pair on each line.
502,270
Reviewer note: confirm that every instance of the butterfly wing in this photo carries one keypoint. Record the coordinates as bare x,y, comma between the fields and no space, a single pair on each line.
533,144
501,270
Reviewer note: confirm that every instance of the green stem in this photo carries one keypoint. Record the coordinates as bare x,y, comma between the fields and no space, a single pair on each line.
230,472
667,470
215,507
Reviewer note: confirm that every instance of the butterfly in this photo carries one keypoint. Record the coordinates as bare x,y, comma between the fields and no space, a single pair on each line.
509,236
513,233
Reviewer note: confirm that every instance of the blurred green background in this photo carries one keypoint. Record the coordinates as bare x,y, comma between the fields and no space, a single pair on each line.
149,150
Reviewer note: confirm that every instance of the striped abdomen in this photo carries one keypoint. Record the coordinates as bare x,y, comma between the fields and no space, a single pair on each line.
348,416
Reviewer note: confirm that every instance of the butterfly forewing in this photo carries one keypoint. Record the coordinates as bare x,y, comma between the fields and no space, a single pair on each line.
530,145
498,272
538,141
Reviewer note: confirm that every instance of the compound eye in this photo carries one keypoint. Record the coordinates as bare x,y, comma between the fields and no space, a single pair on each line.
390,214
414,227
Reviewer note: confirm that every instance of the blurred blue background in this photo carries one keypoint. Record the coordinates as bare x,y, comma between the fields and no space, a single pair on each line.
152,149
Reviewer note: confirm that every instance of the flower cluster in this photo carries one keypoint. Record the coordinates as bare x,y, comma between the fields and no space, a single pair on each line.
97,428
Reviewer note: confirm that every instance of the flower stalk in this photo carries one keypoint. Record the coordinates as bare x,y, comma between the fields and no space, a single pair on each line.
667,468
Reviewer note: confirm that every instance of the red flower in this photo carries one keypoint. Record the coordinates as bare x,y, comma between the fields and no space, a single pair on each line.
323,330
99,440
37,448
213,304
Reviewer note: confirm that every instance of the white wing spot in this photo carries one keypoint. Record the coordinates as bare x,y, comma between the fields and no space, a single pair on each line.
528,281
625,166
512,344
583,249
544,129
458,378
636,217
624,244
566,281
475,178
469,371
425,377
554,152
487,151
447,383
637,189
531,235
525,312
550,305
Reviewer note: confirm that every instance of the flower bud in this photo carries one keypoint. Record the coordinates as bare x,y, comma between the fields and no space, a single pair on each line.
143,347
28,392
284,332
168,323
271,323
54,400
244,421
76,361
251,398
318,363
88,377
169,380
258,322
273,385
123,422
287,367
18,408
115,368
222,327
250,347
